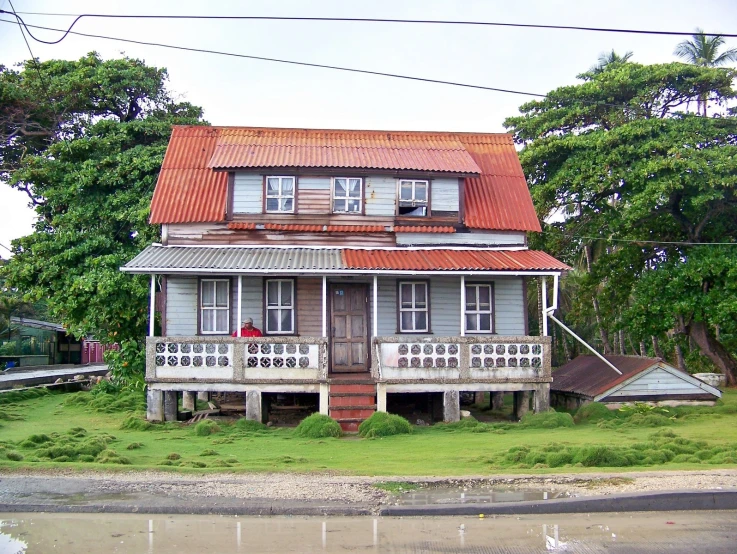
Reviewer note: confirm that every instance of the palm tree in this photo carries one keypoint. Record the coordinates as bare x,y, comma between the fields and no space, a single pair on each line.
703,50
607,59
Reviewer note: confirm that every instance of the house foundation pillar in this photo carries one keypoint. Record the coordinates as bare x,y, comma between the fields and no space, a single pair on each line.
203,396
542,398
521,403
324,399
154,405
496,401
380,397
478,398
189,400
451,406
253,405
170,405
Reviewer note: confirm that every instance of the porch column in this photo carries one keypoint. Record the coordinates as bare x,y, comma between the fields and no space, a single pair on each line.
451,406
521,403
541,399
375,314
154,405
240,305
324,306
496,401
152,306
189,400
380,397
463,305
253,405
203,396
324,399
170,405
544,285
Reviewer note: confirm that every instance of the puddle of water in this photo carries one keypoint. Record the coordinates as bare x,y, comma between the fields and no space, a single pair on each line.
476,495
78,499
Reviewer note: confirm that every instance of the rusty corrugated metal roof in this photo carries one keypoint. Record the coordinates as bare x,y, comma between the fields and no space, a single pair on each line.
589,376
446,259
250,226
243,147
356,229
241,226
189,191
423,229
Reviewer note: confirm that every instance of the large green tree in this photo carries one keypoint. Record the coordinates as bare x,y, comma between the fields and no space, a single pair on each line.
636,181
86,140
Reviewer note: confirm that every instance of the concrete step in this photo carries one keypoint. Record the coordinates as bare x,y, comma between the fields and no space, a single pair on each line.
352,412
355,399
352,388
350,425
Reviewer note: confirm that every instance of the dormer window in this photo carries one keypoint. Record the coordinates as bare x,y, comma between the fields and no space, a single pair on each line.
413,198
280,195
347,195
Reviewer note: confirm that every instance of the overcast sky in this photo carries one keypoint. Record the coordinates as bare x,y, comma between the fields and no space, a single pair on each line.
246,92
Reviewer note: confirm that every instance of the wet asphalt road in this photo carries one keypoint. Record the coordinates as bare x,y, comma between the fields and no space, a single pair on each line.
646,532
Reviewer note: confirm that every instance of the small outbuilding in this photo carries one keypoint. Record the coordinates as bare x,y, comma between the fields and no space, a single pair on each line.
588,379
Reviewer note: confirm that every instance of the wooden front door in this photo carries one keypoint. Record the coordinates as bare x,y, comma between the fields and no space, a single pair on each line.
349,324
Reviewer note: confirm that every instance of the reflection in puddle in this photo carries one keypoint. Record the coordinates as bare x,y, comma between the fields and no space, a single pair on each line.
478,495
8,544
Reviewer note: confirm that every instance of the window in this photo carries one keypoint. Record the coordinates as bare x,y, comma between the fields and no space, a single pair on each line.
280,306
347,195
215,306
478,308
413,198
280,195
413,307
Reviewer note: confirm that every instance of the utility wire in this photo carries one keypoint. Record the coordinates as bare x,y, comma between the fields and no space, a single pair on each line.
78,17
680,243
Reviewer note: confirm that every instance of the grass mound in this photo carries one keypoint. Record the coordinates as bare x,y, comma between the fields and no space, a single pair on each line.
206,427
21,395
318,426
383,424
547,420
135,423
592,413
134,446
111,457
249,426
14,455
108,403
72,446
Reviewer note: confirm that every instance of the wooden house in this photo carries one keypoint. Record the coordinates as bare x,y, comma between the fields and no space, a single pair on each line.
376,264
588,379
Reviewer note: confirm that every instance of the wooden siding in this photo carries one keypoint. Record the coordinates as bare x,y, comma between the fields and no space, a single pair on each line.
509,305
181,306
380,195
252,302
444,194
309,306
460,239
656,382
248,193
314,195
445,306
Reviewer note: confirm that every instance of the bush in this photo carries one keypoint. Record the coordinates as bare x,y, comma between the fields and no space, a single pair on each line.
318,426
593,412
382,424
86,458
206,427
547,420
14,455
135,423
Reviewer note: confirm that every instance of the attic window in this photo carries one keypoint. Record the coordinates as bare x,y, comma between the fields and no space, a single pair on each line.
414,198
280,195
347,195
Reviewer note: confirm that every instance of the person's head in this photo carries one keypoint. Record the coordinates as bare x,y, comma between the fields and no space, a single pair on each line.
248,323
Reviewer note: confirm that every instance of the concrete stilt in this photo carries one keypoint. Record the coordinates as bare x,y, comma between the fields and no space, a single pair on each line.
542,398
496,401
521,403
170,405
203,396
188,400
451,406
253,405
154,405
478,398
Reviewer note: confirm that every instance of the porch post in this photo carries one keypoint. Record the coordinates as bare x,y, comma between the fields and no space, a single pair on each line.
544,285
240,305
463,305
325,306
152,306
375,314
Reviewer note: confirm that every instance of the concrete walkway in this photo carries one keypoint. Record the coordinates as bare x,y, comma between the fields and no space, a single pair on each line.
28,377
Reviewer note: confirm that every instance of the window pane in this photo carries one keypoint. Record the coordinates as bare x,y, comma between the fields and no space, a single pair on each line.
485,297
286,205
272,320
471,322
405,295
208,293
221,320
286,321
339,205
420,321
485,323
406,321
354,206
471,298
221,298
340,187
208,321
286,293
272,292
287,186
405,192
354,189
272,205
420,295
421,192
272,185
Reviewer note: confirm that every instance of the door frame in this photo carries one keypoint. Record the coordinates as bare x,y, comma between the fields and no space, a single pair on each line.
367,326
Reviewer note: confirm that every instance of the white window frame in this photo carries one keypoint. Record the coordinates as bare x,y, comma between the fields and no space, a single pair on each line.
414,309
478,312
280,194
279,308
346,198
413,201
214,307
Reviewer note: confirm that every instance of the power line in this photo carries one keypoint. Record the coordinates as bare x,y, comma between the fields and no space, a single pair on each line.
680,243
78,17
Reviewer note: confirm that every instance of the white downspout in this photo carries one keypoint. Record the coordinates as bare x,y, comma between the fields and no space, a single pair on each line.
463,305
240,306
152,306
324,306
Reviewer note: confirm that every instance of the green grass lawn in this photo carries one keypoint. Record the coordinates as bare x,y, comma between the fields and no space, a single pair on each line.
697,438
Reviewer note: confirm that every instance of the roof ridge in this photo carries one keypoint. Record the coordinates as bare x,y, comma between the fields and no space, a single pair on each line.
335,130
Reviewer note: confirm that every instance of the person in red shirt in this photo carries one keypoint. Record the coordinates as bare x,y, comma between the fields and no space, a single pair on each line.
248,330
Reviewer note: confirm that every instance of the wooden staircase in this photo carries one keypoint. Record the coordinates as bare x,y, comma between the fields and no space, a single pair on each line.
351,400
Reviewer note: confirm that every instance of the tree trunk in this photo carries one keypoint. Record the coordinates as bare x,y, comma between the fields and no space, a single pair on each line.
656,348
643,349
713,349
680,361
603,333
616,344
622,349
566,348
